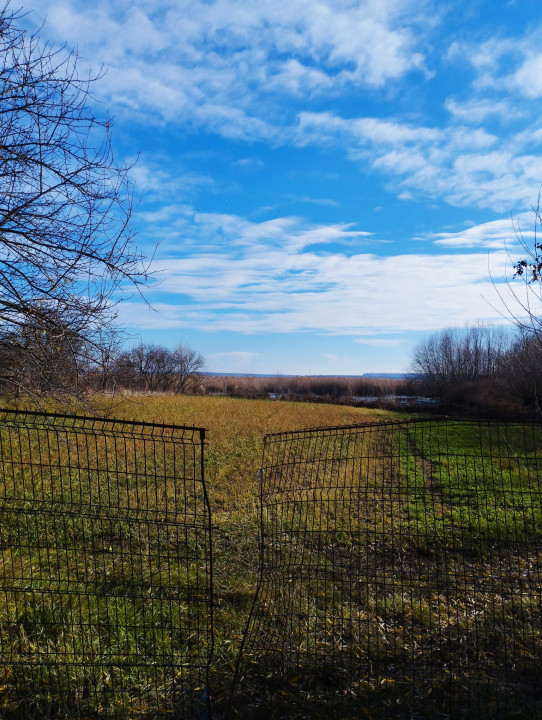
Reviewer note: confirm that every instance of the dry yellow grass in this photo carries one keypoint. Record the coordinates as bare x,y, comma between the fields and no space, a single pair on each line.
235,430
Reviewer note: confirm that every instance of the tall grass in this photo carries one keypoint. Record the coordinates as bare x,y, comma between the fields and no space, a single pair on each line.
235,434
104,589
401,574
95,570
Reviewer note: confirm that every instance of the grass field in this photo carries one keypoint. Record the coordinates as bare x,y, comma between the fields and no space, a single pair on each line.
236,428
70,593
402,574
430,529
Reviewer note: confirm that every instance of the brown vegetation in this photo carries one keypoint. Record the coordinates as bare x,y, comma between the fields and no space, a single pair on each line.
338,390
481,370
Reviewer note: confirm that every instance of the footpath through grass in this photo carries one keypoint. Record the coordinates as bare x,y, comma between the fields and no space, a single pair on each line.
403,574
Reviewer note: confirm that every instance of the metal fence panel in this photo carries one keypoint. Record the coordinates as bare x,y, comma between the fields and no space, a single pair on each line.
105,569
400,574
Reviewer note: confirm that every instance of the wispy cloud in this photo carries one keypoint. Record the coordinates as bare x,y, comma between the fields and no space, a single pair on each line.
505,64
279,283
153,178
308,200
213,232
334,295
463,166
251,72
477,110
492,235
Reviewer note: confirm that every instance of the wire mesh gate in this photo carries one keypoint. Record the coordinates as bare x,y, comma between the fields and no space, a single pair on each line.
400,574
105,569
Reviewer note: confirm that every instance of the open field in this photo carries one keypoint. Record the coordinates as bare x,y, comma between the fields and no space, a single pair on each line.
402,573
234,445
56,570
396,559
235,431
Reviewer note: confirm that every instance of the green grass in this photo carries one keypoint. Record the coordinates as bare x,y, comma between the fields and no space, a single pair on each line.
440,550
95,571
483,483
408,572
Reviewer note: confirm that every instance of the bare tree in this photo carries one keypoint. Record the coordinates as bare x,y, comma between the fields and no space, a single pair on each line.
130,368
153,367
188,367
65,206
451,357
522,368
523,303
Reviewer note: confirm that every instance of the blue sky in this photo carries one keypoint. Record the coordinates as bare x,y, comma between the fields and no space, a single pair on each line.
327,181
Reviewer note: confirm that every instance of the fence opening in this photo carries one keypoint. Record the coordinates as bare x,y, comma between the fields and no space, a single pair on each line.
401,574
105,569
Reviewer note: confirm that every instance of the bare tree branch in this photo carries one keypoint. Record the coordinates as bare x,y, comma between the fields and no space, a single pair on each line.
66,243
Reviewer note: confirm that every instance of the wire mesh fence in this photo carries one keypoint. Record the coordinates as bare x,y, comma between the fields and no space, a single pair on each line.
105,569
401,574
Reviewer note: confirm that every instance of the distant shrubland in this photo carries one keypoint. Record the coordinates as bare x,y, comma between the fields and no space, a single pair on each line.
337,389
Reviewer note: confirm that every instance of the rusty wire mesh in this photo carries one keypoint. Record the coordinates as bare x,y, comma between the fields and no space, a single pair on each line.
105,569
400,574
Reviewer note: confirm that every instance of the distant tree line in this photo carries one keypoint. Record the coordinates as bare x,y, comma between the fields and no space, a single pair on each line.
154,368
52,362
481,368
337,389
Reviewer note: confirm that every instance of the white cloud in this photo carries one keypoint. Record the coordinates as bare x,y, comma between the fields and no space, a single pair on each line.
156,183
249,72
328,202
333,294
497,234
505,64
476,111
213,60
277,284
528,78
212,232
465,167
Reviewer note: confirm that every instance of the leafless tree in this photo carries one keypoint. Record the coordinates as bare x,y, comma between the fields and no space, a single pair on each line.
188,366
521,294
451,357
65,238
153,367
522,368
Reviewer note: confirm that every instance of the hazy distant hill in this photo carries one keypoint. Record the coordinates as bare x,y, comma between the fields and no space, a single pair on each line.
390,376
372,376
